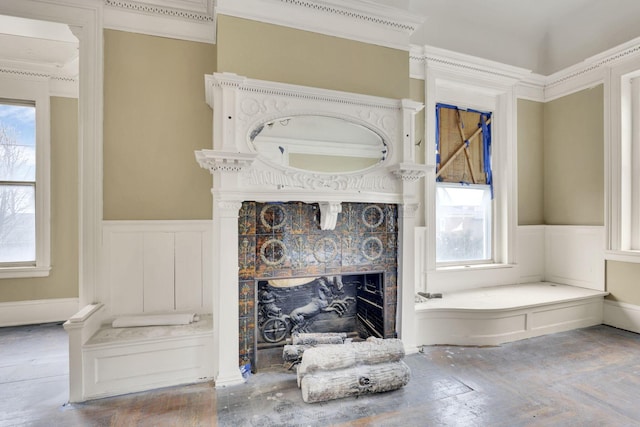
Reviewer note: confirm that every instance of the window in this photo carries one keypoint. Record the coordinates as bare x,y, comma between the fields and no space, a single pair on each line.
622,170
463,191
24,177
17,183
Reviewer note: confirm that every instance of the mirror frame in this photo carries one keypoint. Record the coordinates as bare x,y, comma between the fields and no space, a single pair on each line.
239,104
384,148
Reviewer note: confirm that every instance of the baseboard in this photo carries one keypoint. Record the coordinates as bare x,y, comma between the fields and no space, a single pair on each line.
622,315
37,311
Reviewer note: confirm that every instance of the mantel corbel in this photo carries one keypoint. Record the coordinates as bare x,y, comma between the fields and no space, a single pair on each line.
219,161
409,172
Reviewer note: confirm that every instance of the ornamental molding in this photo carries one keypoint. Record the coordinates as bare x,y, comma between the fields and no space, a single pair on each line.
192,20
351,19
224,162
361,14
409,172
314,181
423,57
173,9
280,90
588,73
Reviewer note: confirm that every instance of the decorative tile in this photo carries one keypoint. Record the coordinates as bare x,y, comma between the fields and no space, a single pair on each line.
281,240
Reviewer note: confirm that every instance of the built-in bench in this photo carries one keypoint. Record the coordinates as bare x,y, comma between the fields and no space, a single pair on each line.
124,360
500,314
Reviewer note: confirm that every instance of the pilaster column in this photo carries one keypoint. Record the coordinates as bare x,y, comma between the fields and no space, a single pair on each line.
406,317
225,292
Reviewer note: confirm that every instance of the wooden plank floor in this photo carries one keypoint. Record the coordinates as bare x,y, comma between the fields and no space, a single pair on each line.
586,377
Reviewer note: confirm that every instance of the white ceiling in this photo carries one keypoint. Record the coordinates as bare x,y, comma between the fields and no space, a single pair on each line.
544,36
39,46
540,35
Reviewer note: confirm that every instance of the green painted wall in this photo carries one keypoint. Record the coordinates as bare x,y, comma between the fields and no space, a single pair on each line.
155,117
623,282
530,162
275,53
574,159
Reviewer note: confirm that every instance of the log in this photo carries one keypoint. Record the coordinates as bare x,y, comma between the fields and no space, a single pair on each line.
354,381
292,353
369,352
318,338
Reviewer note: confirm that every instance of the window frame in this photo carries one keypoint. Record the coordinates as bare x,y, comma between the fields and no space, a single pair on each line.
489,234
479,87
34,89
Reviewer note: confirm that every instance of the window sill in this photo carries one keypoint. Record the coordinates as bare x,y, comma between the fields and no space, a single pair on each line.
23,272
623,256
473,267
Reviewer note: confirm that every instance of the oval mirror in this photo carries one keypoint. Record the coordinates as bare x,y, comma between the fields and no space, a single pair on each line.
318,144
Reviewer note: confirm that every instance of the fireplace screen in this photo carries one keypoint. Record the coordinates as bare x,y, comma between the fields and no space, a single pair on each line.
352,303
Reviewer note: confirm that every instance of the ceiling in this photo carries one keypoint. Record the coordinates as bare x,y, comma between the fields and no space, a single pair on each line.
544,36
38,46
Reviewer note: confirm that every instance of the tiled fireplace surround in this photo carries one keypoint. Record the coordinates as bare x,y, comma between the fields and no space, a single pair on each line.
285,240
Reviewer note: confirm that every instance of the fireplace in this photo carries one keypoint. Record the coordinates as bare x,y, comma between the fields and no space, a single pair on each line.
313,205
296,277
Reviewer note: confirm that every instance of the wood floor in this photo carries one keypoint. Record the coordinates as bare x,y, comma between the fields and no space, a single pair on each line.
586,377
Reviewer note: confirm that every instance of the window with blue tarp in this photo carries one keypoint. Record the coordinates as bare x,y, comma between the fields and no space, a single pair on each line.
464,187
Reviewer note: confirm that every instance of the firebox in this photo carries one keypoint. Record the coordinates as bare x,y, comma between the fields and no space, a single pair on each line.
296,277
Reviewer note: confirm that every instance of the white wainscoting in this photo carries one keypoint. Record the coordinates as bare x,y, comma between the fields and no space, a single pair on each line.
37,311
574,255
156,266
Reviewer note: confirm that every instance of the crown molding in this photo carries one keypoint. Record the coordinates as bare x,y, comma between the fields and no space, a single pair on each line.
180,19
351,19
588,73
429,57
59,85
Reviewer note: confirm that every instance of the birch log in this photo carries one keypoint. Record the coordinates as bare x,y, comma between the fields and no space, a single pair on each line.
354,381
319,338
369,352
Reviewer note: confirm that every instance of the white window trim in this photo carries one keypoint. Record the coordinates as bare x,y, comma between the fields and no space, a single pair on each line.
468,82
30,88
622,163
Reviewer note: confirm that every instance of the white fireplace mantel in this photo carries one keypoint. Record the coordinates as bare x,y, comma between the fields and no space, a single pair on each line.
241,108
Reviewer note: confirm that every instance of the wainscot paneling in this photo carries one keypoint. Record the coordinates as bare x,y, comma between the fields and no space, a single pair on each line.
156,266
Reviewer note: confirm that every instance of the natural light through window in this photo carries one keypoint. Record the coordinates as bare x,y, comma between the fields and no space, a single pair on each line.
463,227
17,183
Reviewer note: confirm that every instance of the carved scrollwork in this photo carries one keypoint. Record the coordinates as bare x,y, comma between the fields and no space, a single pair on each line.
251,107
311,181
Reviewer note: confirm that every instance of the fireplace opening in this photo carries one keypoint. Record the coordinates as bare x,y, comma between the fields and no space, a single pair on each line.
296,277
349,303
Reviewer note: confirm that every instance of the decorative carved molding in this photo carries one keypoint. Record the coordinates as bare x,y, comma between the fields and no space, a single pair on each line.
156,9
429,55
409,172
624,51
363,21
25,73
335,9
312,181
231,207
224,162
329,214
